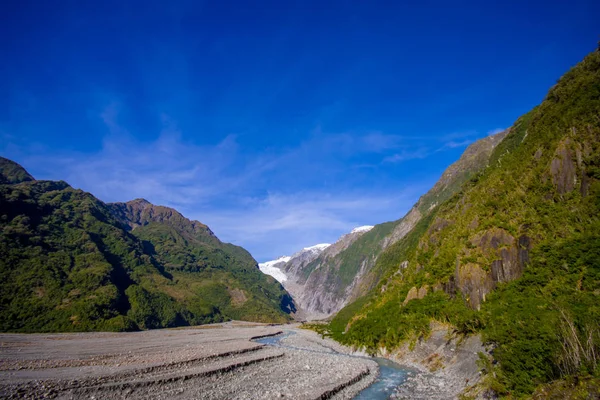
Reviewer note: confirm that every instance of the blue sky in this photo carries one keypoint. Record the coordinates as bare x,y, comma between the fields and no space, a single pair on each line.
279,124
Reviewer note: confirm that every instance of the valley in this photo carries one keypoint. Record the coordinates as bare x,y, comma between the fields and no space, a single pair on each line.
488,286
210,362
233,360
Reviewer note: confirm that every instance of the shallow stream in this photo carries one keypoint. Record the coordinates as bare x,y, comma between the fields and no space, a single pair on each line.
391,375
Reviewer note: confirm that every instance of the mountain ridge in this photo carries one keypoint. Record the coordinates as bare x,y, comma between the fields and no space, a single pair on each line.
345,271
511,257
12,172
71,262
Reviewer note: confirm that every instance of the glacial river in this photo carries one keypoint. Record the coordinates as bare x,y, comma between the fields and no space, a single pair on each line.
391,375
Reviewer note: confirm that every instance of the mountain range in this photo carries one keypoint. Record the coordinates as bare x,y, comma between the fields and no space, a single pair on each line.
70,262
505,247
323,279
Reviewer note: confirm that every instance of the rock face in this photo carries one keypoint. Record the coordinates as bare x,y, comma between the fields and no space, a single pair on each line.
289,271
140,212
447,361
563,168
415,293
322,282
298,261
509,256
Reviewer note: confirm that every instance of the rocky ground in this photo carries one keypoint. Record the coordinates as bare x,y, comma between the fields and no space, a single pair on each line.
446,363
209,362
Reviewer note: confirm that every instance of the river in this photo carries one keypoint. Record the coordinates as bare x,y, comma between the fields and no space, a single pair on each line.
391,375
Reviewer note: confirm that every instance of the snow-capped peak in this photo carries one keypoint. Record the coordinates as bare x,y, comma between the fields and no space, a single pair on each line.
320,246
282,259
365,228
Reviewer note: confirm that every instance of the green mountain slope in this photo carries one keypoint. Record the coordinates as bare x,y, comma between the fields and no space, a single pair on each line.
202,265
514,256
70,262
11,172
348,269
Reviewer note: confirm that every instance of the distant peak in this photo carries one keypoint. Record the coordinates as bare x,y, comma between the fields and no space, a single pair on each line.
362,229
140,201
11,172
320,246
281,259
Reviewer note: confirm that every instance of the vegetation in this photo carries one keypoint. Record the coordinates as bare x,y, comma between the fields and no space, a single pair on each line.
69,262
514,255
11,172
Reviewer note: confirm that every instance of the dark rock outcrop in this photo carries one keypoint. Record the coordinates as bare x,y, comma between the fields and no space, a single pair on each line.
511,257
563,169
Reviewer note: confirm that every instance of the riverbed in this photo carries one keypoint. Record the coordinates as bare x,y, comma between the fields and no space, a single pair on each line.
208,362
389,377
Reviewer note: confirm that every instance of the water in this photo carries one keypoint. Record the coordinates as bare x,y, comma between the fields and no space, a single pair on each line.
274,340
391,375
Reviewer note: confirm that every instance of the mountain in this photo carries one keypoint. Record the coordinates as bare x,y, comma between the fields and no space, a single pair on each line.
70,262
288,270
324,282
11,172
513,256
273,268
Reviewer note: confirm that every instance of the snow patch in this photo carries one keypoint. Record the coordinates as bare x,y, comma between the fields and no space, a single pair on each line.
320,246
270,268
362,229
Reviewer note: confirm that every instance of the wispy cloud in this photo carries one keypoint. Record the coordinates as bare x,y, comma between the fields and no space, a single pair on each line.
455,144
284,223
454,140
272,202
379,142
458,135
167,170
495,131
406,155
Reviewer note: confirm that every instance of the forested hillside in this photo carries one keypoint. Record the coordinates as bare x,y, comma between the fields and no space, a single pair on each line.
70,262
513,256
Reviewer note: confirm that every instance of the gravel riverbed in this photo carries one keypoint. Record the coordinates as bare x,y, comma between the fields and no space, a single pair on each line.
209,362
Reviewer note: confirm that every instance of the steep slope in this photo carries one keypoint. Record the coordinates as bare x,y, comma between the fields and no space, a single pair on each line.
184,244
514,256
345,271
288,270
202,265
11,172
72,262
